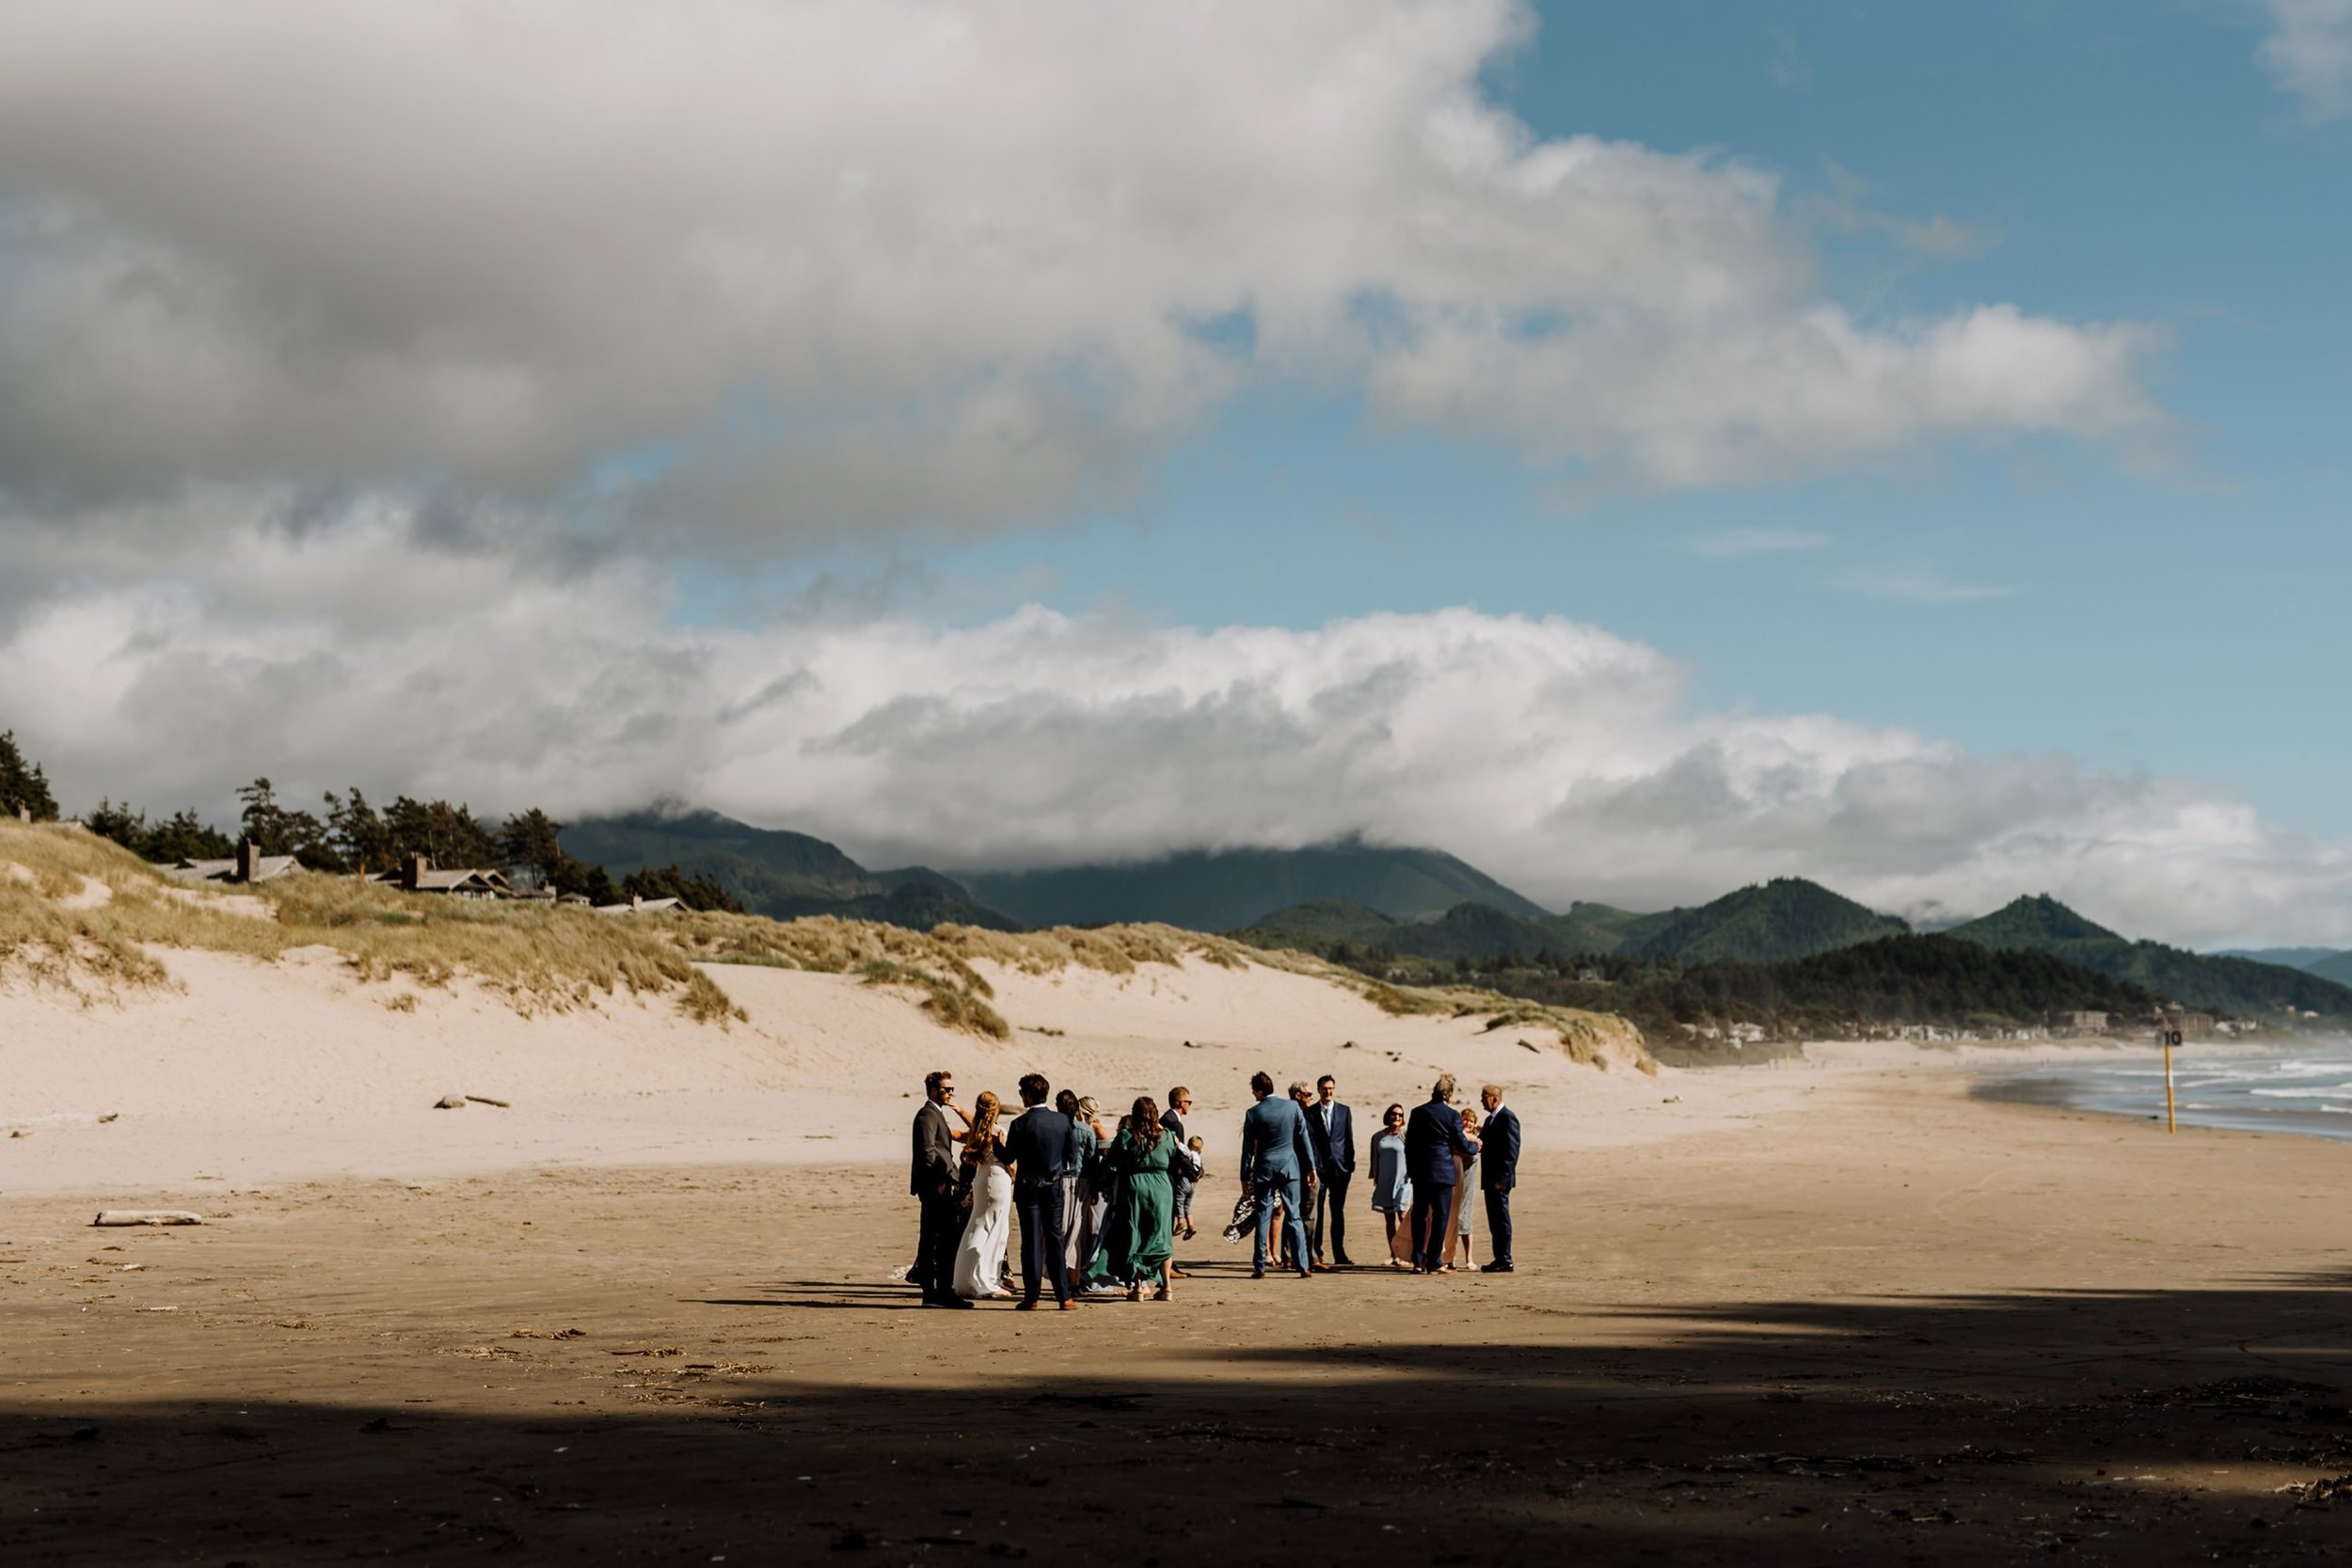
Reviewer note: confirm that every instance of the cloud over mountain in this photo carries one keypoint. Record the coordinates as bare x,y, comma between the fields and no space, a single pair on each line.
1564,760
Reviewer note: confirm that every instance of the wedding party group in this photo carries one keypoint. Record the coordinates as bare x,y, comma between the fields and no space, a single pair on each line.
1099,1208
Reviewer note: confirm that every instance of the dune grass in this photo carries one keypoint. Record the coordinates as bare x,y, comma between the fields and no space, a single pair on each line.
538,958
80,914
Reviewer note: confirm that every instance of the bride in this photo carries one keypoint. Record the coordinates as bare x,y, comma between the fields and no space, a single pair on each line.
980,1256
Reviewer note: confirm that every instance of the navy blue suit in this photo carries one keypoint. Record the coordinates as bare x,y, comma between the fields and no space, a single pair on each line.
1037,1147
1498,1141
1433,1136
1334,1130
1277,1153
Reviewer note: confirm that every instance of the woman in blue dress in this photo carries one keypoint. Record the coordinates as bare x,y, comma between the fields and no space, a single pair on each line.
1393,1186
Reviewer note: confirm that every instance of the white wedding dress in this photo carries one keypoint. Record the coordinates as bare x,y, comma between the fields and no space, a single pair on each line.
980,1256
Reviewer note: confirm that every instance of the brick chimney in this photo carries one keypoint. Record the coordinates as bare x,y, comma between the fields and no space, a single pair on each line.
248,860
414,877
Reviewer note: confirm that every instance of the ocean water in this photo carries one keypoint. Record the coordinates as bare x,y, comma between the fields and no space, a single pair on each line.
2306,1090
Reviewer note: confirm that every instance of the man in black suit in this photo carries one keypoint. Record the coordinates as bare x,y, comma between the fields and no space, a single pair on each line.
1433,1136
1035,1147
933,1185
1498,1173
1333,1127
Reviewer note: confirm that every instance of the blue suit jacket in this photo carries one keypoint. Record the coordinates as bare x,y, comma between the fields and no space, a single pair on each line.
1499,1142
1275,1145
1335,1138
1035,1147
1433,1136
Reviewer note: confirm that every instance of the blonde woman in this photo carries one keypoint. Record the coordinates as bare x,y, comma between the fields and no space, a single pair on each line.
980,1256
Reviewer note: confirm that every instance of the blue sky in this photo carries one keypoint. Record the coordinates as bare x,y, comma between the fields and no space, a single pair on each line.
2175,611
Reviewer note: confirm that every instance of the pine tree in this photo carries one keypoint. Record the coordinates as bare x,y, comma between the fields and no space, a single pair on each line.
23,785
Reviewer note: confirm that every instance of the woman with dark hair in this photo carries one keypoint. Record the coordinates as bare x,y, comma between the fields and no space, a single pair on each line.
1393,1186
1143,1233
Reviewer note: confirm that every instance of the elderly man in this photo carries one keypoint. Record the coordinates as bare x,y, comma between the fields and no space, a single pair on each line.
1433,1137
1498,1173
1277,1157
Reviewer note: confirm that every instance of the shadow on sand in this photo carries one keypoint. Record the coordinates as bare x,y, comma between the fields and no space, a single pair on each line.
2141,1427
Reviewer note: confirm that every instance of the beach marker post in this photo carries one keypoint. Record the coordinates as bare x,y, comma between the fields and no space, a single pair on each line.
2170,1038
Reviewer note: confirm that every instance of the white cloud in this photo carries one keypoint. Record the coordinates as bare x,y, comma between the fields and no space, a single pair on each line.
851,263
1564,760
2308,52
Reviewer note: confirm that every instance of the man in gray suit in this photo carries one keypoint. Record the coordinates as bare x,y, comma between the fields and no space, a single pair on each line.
1276,1162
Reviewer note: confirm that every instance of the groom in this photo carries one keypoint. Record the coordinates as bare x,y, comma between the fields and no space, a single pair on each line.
1277,1157
1035,1147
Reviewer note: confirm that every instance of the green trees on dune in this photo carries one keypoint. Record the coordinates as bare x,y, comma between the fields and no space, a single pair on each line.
696,889
23,785
180,836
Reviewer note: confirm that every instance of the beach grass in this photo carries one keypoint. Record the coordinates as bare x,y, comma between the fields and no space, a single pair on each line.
81,914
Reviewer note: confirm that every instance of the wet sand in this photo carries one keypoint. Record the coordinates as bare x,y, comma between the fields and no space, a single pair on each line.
1894,1324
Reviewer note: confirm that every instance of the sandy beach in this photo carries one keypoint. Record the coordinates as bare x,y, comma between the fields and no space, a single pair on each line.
1835,1310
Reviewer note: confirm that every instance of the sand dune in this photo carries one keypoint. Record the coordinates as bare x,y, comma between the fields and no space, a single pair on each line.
257,1070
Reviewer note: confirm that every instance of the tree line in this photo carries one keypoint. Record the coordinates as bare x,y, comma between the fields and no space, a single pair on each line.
1892,981
350,835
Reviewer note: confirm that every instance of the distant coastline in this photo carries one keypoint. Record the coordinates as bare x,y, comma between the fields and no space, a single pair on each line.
2304,1089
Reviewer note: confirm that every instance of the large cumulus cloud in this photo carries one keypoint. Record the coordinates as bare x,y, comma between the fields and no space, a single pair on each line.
710,273
1567,761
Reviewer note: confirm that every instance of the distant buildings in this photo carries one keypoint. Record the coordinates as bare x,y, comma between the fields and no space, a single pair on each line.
247,865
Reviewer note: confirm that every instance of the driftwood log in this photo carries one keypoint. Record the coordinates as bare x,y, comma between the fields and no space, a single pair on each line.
485,1099
147,1216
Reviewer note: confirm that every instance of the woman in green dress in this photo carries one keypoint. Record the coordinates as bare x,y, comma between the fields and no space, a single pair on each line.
1143,1233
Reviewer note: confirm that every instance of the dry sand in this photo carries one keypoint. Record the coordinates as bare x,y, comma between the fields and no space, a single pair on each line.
1835,1311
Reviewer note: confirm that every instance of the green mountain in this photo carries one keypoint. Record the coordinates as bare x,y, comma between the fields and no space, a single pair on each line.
1785,918
1217,890
2338,969
760,865
2294,958
2039,920
2236,987
1468,930
1330,920
781,875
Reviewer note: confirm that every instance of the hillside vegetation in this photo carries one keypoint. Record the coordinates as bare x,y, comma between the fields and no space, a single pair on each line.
778,874
1784,919
1217,890
1868,988
2235,987
1777,922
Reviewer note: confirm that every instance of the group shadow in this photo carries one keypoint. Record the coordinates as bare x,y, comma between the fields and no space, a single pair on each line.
2146,1426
